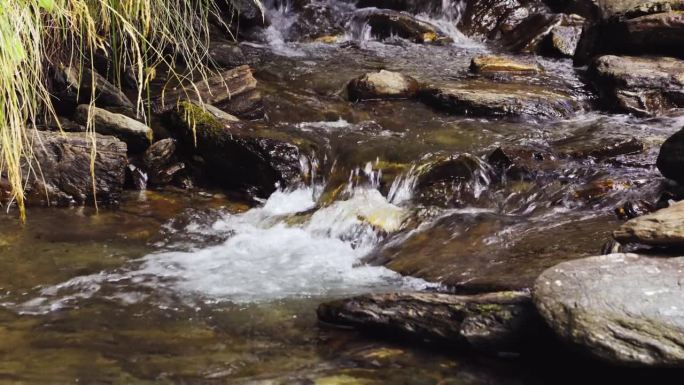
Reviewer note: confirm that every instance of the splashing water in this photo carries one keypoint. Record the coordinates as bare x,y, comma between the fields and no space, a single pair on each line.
273,252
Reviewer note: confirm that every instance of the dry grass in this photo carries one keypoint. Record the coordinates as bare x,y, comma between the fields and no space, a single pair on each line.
139,36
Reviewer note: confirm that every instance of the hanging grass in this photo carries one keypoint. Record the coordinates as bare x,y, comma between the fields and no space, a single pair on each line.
138,36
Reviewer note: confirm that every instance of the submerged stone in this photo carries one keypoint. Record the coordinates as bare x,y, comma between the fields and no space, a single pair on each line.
382,85
500,100
626,309
494,322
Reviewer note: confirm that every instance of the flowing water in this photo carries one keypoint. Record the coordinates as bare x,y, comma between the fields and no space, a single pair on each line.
200,288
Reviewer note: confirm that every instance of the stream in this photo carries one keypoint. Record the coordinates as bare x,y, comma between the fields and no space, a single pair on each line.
200,287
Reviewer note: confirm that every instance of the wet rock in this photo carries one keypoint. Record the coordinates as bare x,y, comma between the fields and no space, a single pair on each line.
226,54
595,191
495,322
643,86
521,163
535,34
382,85
633,209
161,162
622,308
503,64
137,135
601,149
451,180
64,163
634,28
319,18
73,86
671,158
562,41
60,124
386,23
231,154
234,91
500,100
249,13
664,227
493,19
461,252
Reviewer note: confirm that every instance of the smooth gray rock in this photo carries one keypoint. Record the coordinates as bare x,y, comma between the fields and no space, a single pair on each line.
625,309
138,136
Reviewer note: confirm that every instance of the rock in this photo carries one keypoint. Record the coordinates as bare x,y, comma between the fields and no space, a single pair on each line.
460,252
60,124
634,27
382,85
64,163
386,23
319,18
644,86
500,100
138,136
451,181
600,149
226,54
161,163
232,154
249,12
73,86
671,157
494,322
234,91
562,41
494,64
494,19
521,163
664,227
625,309
536,34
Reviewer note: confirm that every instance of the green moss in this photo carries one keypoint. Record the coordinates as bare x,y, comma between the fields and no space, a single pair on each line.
197,119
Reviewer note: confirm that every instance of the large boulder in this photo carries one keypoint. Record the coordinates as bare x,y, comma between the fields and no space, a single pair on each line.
494,322
382,85
664,227
234,90
643,86
61,169
671,157
231,153
626,309
500,100
138,136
